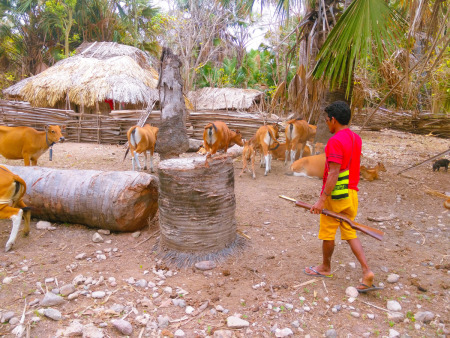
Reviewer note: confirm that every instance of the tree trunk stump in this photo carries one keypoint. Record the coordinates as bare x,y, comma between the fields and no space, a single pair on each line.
197,210
114,200
172,134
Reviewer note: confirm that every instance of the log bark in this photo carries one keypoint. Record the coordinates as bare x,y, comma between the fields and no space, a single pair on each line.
197,210
114,200
172,136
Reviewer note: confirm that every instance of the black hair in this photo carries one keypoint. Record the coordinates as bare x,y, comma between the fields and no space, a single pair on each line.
340,111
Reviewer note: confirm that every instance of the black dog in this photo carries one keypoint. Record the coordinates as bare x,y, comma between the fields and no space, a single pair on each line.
441,163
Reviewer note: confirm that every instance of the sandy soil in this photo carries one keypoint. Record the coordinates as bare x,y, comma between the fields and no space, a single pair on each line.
283,240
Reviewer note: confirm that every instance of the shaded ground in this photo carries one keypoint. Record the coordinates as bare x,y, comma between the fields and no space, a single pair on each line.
283,240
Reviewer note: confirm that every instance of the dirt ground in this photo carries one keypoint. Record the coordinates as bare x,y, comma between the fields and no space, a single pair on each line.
282,242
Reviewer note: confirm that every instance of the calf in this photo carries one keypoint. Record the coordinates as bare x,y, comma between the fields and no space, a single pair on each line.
280,152
441,163
141,140
297,132
249,153
310,166
370,174
12,189
266,141
26,143
217,136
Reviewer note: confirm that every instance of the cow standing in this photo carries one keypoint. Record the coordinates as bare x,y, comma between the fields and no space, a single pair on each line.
217,136
141,140
297,132
26,143
265,140
12,189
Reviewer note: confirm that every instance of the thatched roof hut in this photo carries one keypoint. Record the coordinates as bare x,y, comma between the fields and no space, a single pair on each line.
99,71
225,99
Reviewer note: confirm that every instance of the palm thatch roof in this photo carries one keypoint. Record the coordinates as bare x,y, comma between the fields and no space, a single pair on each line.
98,71
224,98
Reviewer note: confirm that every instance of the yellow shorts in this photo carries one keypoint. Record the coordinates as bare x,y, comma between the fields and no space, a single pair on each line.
329,225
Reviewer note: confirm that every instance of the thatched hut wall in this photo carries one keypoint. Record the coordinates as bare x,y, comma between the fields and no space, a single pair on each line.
98,72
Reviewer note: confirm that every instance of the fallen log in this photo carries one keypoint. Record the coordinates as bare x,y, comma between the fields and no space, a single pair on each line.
114,200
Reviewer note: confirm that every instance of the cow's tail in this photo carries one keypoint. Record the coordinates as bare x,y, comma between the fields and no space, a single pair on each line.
132,137
210,127
126,153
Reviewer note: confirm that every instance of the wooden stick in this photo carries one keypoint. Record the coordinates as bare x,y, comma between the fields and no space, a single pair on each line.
423,162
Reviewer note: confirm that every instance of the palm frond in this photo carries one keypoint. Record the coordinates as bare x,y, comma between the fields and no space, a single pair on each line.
364,24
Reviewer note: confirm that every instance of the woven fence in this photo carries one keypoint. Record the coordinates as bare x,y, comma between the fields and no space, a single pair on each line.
112,128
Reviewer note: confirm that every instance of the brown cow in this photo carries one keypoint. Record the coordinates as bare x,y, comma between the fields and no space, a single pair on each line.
265,141
249,153
297,132
280,152
309,166
217,136
12,189
141,140
26,143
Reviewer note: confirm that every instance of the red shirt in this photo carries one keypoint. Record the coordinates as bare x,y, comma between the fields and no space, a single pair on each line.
342,147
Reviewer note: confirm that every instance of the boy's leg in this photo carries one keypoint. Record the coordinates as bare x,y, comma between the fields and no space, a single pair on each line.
358,251
327,252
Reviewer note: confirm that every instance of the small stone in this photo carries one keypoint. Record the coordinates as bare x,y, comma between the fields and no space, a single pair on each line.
7,316
7,280
223,334
417,326
75,329
104,231
81,256
50,299
395,317
424,316
370,316
52,314
286,332
142,283
306,308
189,310
205,265
163,321
91,331
67,289
326,299
295,324
355,314
96,238
168,290
331,333
24,268
352,265
384,269
393,333
73,295
98,294
179,333
122,326
351,292
136,234
236,323
393,305
393,278
13,321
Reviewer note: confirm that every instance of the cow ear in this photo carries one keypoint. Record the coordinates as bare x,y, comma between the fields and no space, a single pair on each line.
237,131
46,127
63,128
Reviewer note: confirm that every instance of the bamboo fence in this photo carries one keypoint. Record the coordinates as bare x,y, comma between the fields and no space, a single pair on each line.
112,128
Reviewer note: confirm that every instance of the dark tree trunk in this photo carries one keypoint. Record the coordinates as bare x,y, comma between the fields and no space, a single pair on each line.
172,135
